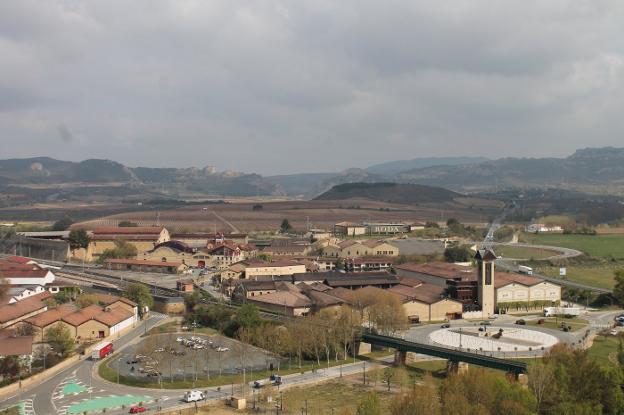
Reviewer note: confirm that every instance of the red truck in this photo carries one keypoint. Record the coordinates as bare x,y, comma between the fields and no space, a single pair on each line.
101,350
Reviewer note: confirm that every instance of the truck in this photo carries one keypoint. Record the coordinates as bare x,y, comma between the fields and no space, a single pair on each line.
194,396
525,270
101,350
562,311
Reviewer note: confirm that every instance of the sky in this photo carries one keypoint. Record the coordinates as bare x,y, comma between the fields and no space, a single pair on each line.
285,86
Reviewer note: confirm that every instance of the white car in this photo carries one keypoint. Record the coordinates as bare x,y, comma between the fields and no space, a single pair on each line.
180,339
194,396
198,346
223,349
159,350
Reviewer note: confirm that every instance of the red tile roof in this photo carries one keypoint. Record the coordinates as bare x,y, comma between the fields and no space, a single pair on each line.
21,308
425,293
16,346
48,317
441,270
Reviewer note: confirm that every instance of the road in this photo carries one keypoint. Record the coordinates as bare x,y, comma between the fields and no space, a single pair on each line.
227,222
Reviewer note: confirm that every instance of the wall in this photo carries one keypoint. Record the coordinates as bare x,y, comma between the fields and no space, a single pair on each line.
440,309
35,248
90,329
415,308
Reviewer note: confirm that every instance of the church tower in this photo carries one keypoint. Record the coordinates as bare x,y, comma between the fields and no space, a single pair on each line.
485,280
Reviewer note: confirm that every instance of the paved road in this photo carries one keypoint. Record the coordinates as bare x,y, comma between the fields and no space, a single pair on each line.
225,221
564,253
39,396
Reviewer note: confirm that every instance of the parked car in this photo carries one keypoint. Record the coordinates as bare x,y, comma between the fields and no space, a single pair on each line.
521,322
223,349
137,409
445,326
194,396
486,323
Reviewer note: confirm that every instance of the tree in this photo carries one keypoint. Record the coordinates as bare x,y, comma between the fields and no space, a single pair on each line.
247,316
285,227
79,238
370,405
460,253
60,338
422,400
122,249
141,295
387,314
62,224
618,290
85,300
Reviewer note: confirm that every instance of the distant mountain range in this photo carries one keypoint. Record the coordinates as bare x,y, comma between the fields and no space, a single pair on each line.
590,170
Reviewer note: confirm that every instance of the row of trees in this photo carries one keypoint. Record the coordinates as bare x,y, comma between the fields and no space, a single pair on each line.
566,381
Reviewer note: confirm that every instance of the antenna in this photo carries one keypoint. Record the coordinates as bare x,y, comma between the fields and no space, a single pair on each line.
158,218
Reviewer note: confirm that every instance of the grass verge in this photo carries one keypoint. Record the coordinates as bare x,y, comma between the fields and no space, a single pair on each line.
554,323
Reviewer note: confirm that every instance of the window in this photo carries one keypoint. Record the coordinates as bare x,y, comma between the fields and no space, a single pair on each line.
488,274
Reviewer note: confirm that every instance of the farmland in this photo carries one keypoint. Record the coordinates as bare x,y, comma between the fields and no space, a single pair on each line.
266,216
596,276
521,252
600,246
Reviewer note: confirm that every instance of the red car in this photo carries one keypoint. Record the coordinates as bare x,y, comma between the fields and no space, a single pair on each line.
137,409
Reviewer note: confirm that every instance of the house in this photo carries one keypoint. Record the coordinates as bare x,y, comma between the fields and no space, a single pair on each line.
225,254
427,302
354,281
96,322
287,250
296,299
367,264
20,273
256,268
13,313
173,251
349,229
42,322
144,238
145,266
358,249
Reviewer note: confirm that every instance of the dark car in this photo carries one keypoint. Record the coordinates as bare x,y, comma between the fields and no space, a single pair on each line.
445,326
521,322
137,409
486,323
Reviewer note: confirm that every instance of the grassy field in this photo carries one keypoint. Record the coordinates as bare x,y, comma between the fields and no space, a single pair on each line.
14,410
519,252
602,246
600,276
555,323
604,349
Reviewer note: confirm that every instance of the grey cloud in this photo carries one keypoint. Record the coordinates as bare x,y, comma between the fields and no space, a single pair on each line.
281,86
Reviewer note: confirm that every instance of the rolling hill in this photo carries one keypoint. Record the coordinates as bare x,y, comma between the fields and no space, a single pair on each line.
390,193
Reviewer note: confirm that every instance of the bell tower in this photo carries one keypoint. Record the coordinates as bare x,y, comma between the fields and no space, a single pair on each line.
485,280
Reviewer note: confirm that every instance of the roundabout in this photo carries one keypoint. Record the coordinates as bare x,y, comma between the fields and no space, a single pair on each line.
493,339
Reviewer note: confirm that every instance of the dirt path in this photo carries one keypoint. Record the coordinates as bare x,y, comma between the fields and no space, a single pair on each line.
225,221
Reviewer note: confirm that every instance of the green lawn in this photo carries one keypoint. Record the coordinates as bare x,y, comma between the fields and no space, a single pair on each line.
604,349
603,246
14,410
555,323
597,276
520,252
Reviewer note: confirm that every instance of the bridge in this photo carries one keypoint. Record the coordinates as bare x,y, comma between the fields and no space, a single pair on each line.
453,356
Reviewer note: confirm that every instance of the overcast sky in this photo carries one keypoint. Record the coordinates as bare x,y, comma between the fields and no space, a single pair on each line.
299,86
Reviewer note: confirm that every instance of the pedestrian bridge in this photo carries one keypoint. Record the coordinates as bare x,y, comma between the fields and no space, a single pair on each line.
454,356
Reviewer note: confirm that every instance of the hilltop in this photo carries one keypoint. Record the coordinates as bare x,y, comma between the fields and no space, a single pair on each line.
390,193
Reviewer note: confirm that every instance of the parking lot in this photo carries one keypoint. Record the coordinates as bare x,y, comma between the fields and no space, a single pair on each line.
186,356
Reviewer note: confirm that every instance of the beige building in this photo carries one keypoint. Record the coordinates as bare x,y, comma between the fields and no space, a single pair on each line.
96,322
13,313
201,240
358,249
349,229
258,269
426,303
143,238
139,265
172,251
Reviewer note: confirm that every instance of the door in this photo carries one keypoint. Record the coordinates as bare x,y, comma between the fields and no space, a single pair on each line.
101,334
201,264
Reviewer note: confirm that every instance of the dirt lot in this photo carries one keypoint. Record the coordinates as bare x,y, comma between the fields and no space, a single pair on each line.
240,216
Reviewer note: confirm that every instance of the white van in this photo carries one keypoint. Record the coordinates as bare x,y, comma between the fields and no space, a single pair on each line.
194,396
